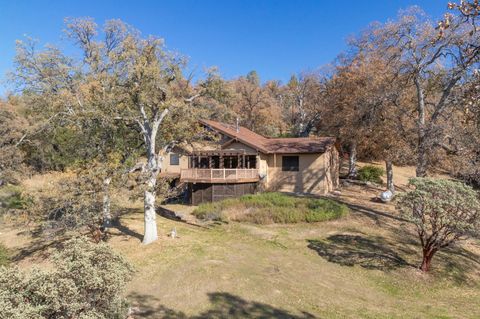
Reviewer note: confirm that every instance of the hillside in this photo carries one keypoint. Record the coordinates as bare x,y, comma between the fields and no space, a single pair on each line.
361,266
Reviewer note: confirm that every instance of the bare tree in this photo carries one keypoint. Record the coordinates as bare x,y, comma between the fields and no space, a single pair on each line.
434,64
122,78
302,99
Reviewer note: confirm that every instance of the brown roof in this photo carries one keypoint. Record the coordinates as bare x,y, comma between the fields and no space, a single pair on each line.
272,145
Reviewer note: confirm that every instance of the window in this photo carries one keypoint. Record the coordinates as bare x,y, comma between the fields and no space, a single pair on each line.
290,163
174,159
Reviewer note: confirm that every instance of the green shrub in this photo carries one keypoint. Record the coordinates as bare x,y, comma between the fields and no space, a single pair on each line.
88,281
12,197
443,212
371,173
4,256
268,208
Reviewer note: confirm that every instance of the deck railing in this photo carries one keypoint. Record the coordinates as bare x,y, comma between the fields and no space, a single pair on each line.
219,174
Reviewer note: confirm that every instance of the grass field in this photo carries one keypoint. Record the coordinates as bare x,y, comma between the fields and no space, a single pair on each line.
356,267
360,266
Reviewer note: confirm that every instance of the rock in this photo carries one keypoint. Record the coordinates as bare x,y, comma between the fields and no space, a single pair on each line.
386,196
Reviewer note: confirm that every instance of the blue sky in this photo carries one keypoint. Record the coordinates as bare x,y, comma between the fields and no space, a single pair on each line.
275,38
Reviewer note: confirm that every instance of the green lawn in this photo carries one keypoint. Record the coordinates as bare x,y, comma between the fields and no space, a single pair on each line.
269,208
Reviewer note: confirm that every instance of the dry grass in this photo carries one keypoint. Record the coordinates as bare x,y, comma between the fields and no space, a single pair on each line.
358,267
361,266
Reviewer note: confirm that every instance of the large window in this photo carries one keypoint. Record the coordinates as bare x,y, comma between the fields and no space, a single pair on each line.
174,159
290,163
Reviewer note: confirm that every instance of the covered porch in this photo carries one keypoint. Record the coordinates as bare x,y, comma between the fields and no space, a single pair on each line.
223,159
221,166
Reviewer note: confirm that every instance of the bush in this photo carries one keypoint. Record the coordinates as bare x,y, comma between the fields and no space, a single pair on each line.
443,212
88,281
267,208
4,256
371,173
12,197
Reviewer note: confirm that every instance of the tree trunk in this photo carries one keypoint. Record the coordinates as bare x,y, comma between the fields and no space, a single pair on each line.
107,216
389,168
427,259
149,131
422,156
150,226
352,160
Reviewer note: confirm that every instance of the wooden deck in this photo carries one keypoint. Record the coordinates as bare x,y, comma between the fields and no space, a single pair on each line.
219,175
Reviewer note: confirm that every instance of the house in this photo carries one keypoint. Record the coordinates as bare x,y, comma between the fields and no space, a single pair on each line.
243,162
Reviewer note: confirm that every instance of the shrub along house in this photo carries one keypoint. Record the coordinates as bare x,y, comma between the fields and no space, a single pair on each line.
243,162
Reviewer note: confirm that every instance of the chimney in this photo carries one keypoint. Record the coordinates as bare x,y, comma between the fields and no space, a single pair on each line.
238,127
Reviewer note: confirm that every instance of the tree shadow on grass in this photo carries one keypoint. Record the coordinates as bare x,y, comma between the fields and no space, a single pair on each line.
350,250
120,215
38,248
457,264
224,305
125,230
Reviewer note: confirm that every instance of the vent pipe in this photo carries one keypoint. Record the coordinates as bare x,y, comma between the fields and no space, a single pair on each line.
238,127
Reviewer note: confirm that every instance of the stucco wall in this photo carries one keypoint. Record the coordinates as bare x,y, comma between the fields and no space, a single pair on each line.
332,169
310,177
167,168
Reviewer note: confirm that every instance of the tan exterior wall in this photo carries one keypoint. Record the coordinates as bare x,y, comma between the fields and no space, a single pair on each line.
310,178
167,168
332,169
262,159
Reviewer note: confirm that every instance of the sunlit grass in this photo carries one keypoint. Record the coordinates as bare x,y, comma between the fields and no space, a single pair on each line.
268,208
